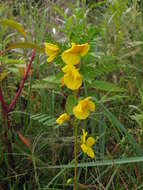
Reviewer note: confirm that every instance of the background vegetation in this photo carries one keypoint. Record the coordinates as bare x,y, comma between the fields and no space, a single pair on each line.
41,155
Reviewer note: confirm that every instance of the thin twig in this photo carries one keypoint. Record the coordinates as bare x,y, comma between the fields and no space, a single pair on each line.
75,156
22,83
6,110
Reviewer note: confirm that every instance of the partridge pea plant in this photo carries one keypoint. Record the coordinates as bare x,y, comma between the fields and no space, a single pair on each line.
72,79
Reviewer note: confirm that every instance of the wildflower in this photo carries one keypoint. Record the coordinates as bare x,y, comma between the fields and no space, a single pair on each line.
86,145
52,51
72,55
63,118
84,107
72,78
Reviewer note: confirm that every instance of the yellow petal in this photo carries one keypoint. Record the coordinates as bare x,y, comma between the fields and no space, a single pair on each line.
51,47
80,114
59,121
51,50
81,49
84,148
91,106
68,68
72,78
63,118
70,58
83,137
85,49
71,82
90,142
51,57
90,152
82,110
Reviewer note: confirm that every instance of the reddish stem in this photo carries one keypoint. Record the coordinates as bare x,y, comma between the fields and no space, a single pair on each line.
6,118
4,108
21,84
5,111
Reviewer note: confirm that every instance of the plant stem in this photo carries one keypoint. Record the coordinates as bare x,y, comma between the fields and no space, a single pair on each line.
35,172
75,156
22,83
5,111
8,143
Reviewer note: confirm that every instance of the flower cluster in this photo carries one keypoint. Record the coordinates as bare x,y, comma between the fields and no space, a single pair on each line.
71,57
72,79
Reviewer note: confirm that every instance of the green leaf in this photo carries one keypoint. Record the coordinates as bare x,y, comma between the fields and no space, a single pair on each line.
88,73
15,25
106,86
122,129
6,60
44,119
112,162
26,45
106,68
70,103
13,70
136,43
53,79
44,85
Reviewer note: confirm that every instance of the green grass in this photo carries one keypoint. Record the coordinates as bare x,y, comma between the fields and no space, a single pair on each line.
112,75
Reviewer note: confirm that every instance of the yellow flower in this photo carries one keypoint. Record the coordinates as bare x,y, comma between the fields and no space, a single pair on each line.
63,118
72,56
84,107
52,51
72,78
86,145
